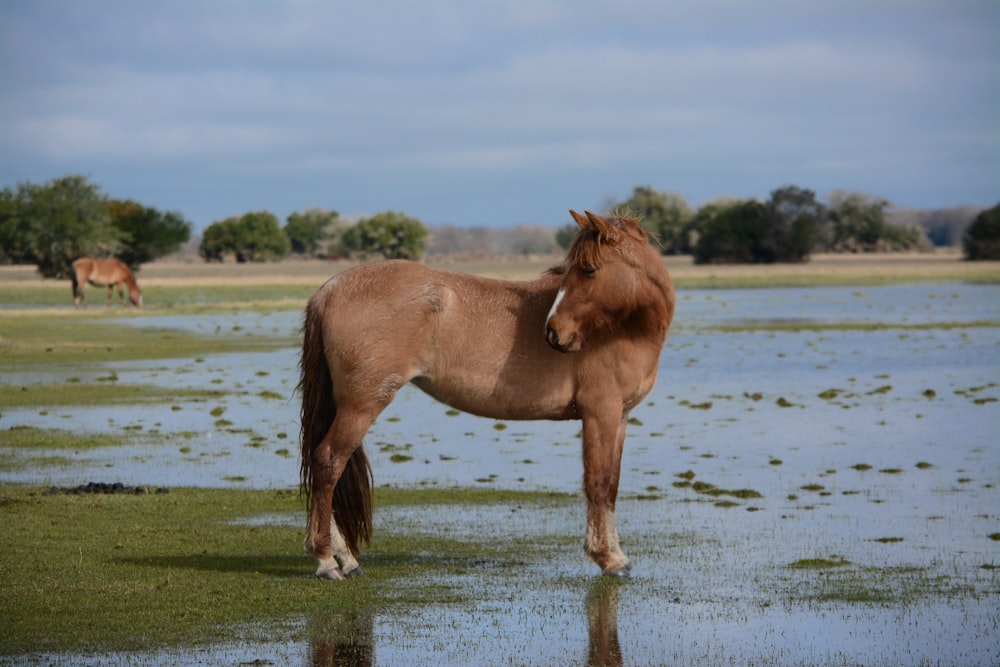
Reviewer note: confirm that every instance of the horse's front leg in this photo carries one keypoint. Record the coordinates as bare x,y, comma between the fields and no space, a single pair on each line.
111,291
603,439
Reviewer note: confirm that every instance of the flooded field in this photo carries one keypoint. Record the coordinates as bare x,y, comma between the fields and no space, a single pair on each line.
813,480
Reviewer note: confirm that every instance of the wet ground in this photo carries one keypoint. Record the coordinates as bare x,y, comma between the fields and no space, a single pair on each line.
794,490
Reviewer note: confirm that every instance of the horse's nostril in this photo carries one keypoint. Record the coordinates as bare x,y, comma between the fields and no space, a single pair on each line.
552,337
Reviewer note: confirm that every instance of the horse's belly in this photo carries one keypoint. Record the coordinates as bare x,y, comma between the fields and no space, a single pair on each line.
552,402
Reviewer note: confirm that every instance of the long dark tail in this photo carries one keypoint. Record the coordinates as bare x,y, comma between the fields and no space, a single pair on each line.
76,281
352,497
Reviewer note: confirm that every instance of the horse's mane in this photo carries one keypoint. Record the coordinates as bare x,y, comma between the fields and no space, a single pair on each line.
591,246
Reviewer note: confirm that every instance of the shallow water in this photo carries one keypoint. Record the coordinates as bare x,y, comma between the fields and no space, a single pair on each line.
879,447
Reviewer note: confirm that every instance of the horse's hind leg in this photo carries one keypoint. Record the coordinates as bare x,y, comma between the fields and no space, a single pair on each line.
329,459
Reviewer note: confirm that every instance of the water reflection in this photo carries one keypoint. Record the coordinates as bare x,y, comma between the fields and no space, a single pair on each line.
602,623
347,638
342,639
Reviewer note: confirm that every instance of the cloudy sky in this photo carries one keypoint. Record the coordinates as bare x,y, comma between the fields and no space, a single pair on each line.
476,112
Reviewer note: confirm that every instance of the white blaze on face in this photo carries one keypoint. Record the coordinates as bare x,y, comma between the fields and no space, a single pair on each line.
555,305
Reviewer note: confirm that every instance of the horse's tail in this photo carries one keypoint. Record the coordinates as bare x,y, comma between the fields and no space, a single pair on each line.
74,275
352,497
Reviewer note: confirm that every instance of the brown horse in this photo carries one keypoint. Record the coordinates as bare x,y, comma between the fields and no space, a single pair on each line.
108,273
580,342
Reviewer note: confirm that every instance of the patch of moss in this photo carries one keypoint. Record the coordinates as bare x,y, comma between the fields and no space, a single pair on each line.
819,563
83,337
31,437
48,395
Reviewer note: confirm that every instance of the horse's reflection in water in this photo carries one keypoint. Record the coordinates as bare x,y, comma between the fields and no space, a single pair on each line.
347,639
343,639
602,624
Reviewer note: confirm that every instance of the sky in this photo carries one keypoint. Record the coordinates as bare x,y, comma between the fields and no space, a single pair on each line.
503,112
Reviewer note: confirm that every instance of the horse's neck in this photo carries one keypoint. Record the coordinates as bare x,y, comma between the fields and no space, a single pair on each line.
541,291
512,300
128,276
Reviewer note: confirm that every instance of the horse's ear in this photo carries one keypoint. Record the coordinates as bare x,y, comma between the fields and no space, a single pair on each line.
600,225
580,220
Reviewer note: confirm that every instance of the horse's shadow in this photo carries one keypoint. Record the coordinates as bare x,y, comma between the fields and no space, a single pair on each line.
297,566
286,565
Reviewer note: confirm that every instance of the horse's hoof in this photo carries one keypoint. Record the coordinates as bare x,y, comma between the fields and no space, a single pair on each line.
356,572
330,574
624,572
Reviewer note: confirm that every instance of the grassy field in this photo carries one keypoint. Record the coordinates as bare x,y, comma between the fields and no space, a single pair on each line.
190,286
128,571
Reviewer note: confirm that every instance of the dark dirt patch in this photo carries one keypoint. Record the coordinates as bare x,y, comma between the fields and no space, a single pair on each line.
103,487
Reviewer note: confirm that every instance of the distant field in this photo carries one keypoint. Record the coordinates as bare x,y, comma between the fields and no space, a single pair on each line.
821,270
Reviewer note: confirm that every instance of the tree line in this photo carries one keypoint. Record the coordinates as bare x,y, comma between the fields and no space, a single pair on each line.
52,224
789,226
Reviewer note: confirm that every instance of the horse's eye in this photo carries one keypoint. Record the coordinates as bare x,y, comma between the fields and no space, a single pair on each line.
588,270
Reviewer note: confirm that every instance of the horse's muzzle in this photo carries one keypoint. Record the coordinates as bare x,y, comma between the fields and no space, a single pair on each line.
552,336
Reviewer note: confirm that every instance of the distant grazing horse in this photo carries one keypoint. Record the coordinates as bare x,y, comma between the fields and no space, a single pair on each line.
580,342
104,273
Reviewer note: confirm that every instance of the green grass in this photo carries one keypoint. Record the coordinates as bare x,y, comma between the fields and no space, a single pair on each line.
74,338
48,395
159,298
45,439
763,279
851,326
135,572
818,563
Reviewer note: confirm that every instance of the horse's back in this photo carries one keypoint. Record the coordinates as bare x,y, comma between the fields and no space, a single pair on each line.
381,297
83,266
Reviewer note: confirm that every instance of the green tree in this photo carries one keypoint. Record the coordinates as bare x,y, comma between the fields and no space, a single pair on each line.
666,214
857,221
306,231
252,237
794,221
858,224
982,238
783,229
219,239
53,224
15,237
147,233
729,232
390,234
